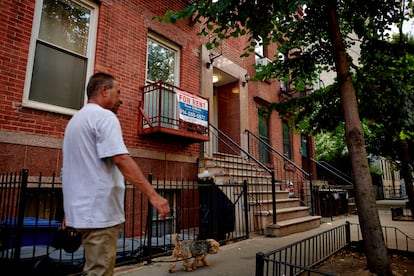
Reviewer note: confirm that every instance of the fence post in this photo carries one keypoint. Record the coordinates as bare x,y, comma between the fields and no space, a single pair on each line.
259,263
20,216
149,223
311,194
246,208
348,232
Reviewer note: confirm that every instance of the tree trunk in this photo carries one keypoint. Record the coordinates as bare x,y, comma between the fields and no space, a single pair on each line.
375,248
407,174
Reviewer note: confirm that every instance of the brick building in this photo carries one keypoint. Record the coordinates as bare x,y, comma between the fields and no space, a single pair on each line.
50,48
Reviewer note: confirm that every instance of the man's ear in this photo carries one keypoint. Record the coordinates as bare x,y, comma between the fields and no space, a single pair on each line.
104,91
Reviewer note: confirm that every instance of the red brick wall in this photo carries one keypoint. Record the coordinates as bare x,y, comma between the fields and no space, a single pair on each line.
120,50
15,34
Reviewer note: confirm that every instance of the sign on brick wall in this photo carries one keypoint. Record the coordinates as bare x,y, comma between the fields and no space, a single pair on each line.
192,109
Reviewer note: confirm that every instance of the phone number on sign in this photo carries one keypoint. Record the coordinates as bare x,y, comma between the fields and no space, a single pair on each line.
193,115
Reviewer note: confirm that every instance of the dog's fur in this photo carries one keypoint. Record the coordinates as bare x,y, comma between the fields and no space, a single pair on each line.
187,249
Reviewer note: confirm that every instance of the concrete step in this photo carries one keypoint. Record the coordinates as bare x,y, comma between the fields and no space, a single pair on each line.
285,213
224,178
265,217
237,174
267,194
287,227
290,215
280,203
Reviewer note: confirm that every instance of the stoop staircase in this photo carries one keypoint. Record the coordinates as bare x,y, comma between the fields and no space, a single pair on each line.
291,215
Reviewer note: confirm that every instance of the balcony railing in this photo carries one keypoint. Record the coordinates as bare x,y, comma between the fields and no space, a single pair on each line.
167,109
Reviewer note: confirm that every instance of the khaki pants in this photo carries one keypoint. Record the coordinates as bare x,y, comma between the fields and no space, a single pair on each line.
100,250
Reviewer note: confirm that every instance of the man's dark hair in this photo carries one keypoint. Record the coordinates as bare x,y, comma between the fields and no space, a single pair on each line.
97,81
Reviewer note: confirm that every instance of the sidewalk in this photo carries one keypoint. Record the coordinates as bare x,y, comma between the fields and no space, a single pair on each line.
240,258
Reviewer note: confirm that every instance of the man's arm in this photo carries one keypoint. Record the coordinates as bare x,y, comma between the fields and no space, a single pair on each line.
133,174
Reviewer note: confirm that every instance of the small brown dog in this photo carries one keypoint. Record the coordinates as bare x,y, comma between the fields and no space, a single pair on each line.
187,249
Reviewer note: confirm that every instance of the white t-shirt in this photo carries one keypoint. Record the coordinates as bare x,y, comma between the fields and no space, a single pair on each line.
93,187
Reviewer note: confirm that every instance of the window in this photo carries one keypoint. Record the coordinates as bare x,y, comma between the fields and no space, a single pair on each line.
61,55
304,145
162,65
287,140
264,154
162,61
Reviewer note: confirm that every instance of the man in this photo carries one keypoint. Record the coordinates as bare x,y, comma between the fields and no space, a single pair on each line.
95,162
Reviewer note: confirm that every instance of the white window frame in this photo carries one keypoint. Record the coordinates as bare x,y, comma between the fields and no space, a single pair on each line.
90,56
167,44
167,111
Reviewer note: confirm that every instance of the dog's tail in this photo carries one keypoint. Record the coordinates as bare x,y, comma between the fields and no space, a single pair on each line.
175,240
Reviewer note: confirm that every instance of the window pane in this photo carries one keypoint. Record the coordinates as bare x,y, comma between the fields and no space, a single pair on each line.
58,77
65,24
264,154
161,63
287,140
304,145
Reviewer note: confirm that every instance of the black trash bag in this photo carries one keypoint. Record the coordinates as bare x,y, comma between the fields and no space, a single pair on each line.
67,239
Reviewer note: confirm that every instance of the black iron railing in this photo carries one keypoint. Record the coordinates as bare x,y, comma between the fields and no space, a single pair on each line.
301,256
294,258
332,175
240,166
289,174
395,239
31,211
161,112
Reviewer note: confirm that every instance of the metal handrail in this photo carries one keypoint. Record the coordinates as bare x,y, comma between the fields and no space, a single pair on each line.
241,149
270,149
257,162
278,153
334,171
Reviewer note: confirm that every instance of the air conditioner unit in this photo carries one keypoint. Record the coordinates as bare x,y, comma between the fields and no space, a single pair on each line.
262,62
284,87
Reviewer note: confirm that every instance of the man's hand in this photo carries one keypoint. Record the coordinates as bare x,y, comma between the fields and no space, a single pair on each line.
161,204
64,222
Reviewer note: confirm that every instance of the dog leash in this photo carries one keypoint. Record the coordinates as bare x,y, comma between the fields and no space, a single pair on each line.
169,261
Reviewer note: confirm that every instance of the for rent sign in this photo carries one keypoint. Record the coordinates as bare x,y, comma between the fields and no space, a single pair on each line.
192,109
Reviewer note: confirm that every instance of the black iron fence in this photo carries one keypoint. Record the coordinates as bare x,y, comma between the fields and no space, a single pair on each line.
301,256
236,166
289,175
31,211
